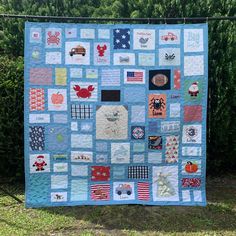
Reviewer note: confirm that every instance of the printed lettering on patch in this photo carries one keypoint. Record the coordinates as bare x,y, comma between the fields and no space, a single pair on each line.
193,65
120,153
102,53
192,134
170,126
77,53
123,191
57,100
53,58
111,122
157,106
193,40
144,39
110,77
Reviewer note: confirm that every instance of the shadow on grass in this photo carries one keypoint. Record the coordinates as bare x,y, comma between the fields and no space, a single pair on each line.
219,215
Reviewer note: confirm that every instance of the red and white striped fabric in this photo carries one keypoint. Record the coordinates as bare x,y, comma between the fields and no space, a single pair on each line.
100,192
143,191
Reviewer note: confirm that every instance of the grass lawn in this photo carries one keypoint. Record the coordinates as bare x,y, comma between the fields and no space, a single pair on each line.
218,218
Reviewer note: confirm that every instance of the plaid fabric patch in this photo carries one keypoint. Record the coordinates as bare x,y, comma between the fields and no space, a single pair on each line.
138,172
81,111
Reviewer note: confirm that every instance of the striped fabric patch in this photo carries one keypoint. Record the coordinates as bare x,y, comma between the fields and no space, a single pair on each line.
143,191
100,192
110,77
41,76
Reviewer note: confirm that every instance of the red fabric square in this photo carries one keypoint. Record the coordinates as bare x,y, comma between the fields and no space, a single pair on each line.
100,173
192,113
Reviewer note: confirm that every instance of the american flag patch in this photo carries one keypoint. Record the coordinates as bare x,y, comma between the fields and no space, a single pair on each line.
134,76
143,191
100,192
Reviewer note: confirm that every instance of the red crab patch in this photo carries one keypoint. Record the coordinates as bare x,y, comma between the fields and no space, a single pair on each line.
83,92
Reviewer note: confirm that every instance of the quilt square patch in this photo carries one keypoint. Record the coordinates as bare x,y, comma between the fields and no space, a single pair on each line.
37,99
100,192
115,114
121,38
37,138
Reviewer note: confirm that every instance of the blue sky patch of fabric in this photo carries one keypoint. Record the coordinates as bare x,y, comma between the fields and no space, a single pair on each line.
115,114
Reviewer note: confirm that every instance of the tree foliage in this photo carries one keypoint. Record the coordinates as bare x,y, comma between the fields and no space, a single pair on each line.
222,67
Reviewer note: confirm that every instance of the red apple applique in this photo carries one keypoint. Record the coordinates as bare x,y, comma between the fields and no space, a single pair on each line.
57,99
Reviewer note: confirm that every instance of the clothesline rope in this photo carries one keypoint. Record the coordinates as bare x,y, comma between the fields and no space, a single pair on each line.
147,20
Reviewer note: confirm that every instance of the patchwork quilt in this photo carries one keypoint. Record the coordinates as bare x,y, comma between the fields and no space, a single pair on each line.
115,114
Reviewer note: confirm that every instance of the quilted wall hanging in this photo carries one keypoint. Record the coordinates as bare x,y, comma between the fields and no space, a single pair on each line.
115,114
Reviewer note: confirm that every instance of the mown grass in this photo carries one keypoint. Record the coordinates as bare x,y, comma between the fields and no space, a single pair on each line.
218,218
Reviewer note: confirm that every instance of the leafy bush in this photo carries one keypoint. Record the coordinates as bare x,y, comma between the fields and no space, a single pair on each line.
11,116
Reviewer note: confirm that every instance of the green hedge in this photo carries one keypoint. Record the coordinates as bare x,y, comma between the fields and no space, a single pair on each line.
11,117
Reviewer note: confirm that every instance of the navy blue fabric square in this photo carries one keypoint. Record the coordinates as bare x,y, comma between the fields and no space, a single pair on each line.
121,38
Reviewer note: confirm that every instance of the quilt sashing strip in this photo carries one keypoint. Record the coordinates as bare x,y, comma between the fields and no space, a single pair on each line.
115,114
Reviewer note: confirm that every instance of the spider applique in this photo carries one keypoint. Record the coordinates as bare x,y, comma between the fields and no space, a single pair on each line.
156,105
